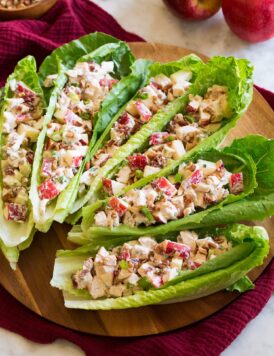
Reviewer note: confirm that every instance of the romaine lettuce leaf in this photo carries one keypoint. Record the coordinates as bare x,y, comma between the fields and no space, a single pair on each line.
250,247
14,234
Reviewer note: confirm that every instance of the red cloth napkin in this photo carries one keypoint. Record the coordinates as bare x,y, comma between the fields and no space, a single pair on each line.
66,21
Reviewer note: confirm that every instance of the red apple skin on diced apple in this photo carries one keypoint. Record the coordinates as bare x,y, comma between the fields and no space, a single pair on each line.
107,185
251,20
194,10
107,82
47,167
145,113
236,183
118,205
77,161
26,94
196,177
165,186
158,138
17,212
47,190
173,247
137,161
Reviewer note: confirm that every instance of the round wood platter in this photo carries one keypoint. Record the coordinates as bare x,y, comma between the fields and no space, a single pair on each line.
30,282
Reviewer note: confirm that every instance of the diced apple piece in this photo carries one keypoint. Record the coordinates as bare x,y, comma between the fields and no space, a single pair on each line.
123,175
144,112
165,186
100,219
194,103
29,131
131,108
112,187
162,81
118,205
137,161
183,131
236,183
47,190
207,167
47,170
196,177
171,247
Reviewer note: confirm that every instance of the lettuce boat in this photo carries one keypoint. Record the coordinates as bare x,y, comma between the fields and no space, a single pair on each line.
118,274
86,82
162,203
22,115
233,80
153,106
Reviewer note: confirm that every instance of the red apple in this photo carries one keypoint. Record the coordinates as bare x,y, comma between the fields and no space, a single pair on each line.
251,20
194,9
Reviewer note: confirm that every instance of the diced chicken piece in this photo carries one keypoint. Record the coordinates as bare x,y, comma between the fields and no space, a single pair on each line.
164,186
123,175
105,273
9,123
145,268
179,89
165,211
183,131
97,288
100,219
104,257
147,242
137,161
162,81
81,279
179,203
149,170
200,200
151,196
119,205
188,238
169,274
117,291
177,262
180,77
194,103
179,149
199,258
144,112
236,183
207,167
189,209
202,187
123,274
205,118
133,279
137,197
141,252
112,187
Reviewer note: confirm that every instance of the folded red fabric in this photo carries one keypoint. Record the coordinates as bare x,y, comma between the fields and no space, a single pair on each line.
66,21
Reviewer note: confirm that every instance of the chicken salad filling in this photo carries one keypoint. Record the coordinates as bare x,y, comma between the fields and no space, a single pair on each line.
23,121
69,132
183,133
194,187
157,94
145,263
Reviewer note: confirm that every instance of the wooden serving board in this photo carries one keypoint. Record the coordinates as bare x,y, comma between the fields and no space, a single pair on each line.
30,282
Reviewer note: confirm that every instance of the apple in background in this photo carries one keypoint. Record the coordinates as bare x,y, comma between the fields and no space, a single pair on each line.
251,20
194,10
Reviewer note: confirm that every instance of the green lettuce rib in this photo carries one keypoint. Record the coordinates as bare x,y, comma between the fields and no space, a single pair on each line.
59,62
250,247
232,162
13,236
234,73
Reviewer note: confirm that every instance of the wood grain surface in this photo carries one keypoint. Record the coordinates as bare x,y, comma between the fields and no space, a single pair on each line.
30,282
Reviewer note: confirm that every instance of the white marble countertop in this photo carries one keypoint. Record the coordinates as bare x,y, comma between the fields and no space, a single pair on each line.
151,20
